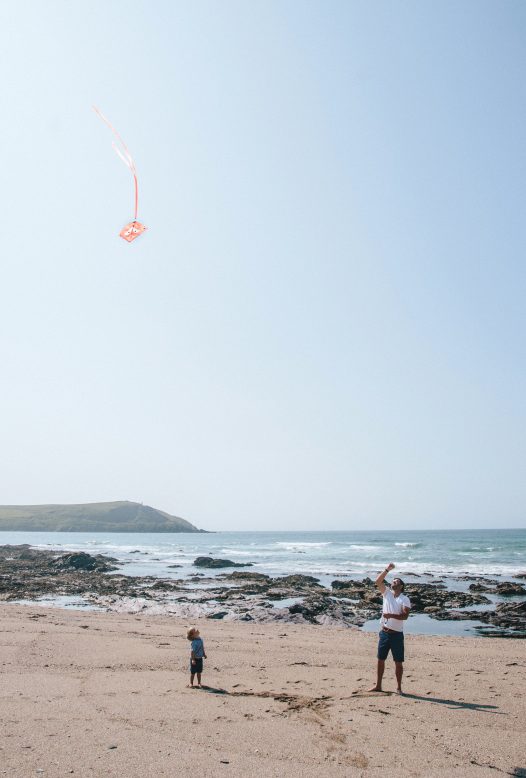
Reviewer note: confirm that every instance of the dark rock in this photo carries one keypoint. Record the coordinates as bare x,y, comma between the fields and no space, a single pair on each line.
296,581
31,573
510,617
455,615
217,615
494,632
348,585
509,613
241,576
163,585
433,599
372,597
253,588
479,578
27,554
318,609
312,608
425,596
82,561
207,561
479,587
508,589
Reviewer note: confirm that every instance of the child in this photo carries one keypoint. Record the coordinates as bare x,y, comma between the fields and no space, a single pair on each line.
197,652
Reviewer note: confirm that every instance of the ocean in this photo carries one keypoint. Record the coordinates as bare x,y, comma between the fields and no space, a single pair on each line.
418,555
324,554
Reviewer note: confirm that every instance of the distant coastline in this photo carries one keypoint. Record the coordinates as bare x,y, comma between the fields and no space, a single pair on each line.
121,516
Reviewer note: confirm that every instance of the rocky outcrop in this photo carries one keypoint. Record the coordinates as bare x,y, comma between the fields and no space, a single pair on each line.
428,596
508,589
511,615
207,561
83,561
503,589
296,581
480,587
243,576
29,574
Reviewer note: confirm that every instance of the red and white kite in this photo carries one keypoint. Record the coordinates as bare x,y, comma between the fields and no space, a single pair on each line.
134,228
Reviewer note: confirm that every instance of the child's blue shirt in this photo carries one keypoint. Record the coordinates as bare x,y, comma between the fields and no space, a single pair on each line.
198,648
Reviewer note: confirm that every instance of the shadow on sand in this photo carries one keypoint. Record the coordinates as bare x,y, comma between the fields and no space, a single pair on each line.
454,704
214,690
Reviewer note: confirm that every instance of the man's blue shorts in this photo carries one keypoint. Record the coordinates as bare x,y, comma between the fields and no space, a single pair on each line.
198,667
391,641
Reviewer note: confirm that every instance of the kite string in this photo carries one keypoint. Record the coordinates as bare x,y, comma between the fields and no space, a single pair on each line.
124,155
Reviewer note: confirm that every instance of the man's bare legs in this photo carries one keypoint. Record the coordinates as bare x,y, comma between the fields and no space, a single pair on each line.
379,675
399,671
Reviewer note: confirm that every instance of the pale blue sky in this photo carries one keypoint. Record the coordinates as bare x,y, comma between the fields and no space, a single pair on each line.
324,326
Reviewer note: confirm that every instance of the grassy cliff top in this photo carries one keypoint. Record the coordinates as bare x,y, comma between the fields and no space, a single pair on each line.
91,517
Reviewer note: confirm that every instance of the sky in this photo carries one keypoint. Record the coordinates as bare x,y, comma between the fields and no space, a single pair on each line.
324,325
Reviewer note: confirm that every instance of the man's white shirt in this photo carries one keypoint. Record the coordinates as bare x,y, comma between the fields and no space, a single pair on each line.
392,604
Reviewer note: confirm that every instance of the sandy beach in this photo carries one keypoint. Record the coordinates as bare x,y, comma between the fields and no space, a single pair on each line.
96,694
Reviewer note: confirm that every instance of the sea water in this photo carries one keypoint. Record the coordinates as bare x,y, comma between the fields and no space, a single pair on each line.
327,555
418,555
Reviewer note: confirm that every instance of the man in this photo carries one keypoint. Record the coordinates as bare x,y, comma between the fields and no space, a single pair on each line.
395,611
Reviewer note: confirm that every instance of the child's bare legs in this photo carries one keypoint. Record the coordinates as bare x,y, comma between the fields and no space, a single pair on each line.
192,676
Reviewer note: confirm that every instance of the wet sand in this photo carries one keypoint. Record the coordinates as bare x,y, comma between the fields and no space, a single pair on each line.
97,694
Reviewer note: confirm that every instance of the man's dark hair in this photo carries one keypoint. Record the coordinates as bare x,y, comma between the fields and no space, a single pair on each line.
401,582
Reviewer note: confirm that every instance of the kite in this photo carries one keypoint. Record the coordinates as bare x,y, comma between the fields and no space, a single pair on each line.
134,228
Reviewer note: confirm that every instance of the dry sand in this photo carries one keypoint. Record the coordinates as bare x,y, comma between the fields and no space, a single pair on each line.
96,694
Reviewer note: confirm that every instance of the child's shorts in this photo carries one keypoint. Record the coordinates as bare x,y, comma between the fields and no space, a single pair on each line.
198,667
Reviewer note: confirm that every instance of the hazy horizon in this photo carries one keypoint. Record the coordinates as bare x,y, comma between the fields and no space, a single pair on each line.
227,529
324,323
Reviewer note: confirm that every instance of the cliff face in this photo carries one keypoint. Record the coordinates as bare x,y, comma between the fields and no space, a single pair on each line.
91,517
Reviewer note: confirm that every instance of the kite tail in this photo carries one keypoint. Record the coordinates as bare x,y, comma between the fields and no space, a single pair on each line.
125,155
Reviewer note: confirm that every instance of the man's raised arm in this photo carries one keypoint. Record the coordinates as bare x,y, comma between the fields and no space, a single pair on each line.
380,580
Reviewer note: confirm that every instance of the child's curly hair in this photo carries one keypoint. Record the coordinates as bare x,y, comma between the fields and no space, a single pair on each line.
191,632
